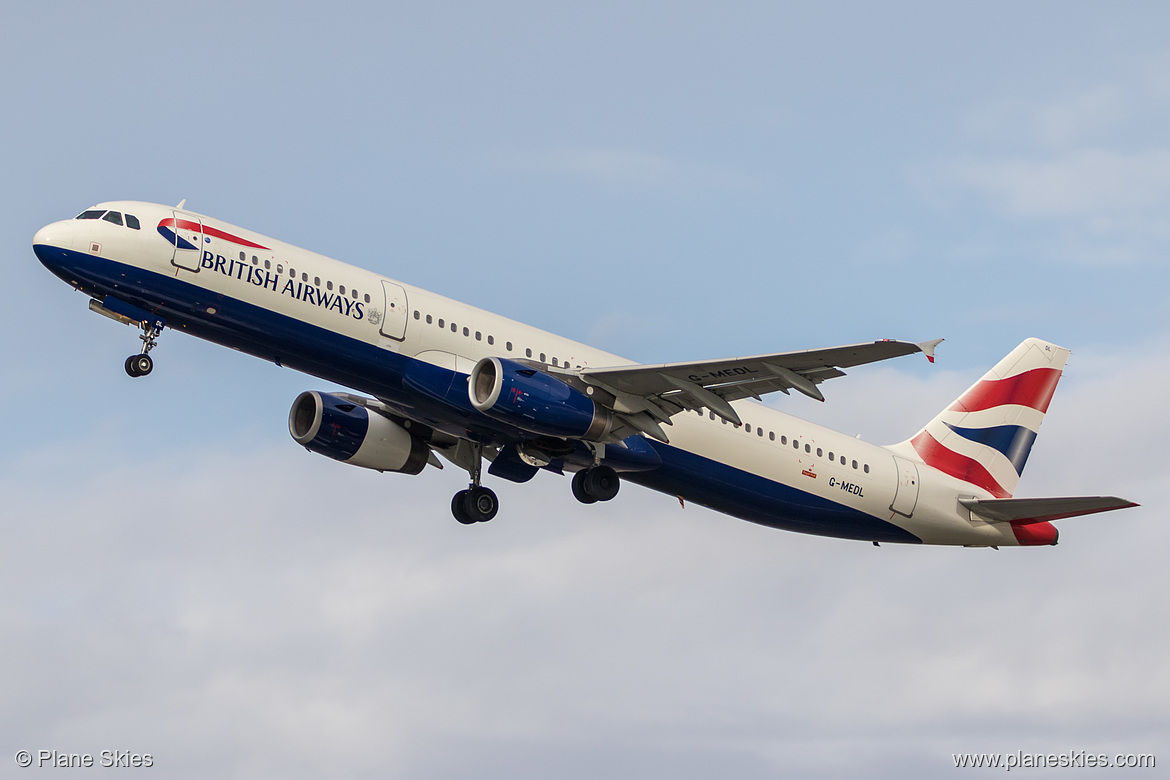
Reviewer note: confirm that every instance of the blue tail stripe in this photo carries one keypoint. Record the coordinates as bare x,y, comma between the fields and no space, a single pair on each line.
1013,441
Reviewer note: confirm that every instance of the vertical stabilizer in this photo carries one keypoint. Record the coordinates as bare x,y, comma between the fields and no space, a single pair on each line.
984,437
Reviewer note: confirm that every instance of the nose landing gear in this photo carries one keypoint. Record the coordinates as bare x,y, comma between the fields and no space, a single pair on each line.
143,364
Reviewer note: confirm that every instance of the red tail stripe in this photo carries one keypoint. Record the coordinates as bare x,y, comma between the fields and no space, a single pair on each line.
1032,388
959,466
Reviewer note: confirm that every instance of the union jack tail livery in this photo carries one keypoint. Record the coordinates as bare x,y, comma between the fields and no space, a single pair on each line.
984,437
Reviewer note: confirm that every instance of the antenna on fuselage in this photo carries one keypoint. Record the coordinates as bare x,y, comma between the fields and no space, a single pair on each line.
182,203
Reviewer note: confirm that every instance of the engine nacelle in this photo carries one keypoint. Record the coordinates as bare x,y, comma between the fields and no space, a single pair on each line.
535,401
352,434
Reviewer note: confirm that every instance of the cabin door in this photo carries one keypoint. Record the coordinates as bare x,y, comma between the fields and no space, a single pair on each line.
186,235
906,497
394,312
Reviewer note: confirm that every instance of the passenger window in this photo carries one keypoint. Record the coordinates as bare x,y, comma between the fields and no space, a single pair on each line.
440,322
90,215
466,332
491,339
292,273
771,435
304,277
328,284
748,427
243,257
428,319
807,448
279,269
795,444
865,468
508,346
542,360
712,415
415,313
854,464
760,432
783,439
267,265
255,260
820,452
341,289
113,216
354,294
479,337
453,328
367,297
528,351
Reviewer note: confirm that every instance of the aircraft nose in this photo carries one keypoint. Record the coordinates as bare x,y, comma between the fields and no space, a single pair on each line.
57,234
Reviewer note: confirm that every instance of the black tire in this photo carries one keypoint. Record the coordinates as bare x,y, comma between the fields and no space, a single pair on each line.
143,364
458,508
481,504
602,483
131,365
579,491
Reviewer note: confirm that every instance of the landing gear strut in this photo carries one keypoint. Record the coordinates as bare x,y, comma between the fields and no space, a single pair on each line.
599,483
477,504
143,364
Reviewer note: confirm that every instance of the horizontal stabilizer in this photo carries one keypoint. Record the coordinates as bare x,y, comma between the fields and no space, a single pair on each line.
1026,511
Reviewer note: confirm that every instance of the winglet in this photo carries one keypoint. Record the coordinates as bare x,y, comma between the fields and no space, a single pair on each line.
927,347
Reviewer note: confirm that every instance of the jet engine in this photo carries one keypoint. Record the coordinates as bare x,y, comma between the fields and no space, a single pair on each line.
535,401
351,433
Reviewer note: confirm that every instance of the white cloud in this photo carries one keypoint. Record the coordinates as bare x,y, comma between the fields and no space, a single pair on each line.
1081,183
1084,115
271,613
1061,124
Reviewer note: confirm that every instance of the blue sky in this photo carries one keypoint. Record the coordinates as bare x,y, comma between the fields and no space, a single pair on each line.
667,181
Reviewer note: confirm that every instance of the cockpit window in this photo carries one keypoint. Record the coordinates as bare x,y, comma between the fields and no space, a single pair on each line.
92,214
132,222
113,216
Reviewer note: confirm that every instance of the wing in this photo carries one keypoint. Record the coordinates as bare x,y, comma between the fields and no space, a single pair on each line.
649,394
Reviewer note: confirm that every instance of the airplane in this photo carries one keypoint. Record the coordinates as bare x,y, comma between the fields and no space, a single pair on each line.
435,377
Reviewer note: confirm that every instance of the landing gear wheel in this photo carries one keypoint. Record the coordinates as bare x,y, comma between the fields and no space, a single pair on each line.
481,504
579,492
601,482
457,508
139,365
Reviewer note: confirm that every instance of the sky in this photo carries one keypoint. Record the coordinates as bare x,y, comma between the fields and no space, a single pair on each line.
667,181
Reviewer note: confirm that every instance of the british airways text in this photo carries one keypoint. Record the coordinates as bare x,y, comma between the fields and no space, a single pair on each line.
292,288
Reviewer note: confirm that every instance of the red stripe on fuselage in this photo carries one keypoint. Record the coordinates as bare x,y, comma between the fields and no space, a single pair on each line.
959,466
1032,388
187,224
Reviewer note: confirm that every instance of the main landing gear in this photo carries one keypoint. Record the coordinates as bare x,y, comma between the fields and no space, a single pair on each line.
477,504
143,364
599,483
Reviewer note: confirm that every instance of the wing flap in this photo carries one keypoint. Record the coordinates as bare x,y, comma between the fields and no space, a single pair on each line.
1026,511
